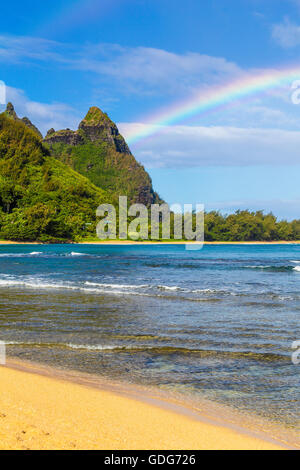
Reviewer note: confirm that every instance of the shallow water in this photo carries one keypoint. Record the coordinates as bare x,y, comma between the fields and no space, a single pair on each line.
216,323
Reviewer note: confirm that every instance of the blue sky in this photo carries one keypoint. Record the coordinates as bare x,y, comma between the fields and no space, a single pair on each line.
134,57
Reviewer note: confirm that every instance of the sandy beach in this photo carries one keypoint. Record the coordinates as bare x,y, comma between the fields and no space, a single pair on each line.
40,411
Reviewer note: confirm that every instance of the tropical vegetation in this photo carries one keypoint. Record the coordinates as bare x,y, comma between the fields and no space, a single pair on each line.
50,188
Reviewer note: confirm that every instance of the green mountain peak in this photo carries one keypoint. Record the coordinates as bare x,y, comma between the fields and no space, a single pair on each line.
98,151
96,116
98,127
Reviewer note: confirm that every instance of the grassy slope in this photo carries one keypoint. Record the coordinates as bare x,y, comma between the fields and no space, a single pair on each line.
40,197
104,157
103,166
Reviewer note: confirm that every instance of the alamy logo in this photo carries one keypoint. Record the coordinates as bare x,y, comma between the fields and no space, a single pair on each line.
296,354
2,353
159,222
2,92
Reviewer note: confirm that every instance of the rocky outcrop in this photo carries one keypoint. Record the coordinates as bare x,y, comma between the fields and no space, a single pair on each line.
31,126
50,132
95,127
98,126
146,195
65,136
11,113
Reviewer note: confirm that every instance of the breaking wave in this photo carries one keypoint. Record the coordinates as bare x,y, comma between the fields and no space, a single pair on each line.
270,268
247,354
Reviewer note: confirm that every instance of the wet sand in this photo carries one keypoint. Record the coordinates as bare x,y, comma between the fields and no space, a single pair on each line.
44,408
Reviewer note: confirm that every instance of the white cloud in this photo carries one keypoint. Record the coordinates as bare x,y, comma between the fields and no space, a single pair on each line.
286,34
20,48
155,70
272,112
191,146
42,115
115,71
180,146
134,69
120,70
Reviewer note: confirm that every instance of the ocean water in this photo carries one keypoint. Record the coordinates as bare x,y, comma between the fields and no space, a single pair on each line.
216,323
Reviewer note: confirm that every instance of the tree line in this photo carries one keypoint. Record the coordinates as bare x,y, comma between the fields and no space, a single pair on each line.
245,225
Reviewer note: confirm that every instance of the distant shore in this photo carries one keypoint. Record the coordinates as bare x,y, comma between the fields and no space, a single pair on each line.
167,242
129,242
44,408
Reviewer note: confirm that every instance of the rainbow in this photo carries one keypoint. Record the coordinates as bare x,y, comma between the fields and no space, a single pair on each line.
214,98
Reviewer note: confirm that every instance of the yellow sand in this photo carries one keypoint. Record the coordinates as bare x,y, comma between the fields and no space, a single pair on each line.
39,412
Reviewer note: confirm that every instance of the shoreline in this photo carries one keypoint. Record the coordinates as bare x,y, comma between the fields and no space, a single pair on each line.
153,243
46,408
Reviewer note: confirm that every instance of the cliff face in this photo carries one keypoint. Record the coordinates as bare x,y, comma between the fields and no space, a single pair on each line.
99,152
95,127
40,197
65,137
98,126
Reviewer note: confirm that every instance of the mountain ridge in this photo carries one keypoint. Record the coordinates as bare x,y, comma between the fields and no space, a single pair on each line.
11,114
98,151
41,199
